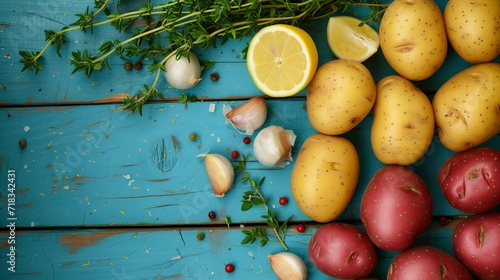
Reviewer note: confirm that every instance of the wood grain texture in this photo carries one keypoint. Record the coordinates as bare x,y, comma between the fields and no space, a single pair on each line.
166,253
110,167
106,194
22,27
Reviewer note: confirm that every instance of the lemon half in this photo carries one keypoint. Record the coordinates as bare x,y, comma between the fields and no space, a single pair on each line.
348,40
282,60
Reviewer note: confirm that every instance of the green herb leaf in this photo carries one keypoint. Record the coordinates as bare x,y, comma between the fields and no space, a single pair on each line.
253,198
248,239
263,231
246,205
284,225
263,242
185,98
227,220
187,24
272,224
253,184
245,176
206,64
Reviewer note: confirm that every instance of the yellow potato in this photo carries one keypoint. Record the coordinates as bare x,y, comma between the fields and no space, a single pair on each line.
473,29
467,107
403,122
340,96
413,38
324,176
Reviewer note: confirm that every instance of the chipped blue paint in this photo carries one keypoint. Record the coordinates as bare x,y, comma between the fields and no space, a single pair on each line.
103,193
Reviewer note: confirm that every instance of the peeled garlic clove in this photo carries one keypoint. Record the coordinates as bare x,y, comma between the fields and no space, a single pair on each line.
248,116
182,72
273,146
220,173
288,266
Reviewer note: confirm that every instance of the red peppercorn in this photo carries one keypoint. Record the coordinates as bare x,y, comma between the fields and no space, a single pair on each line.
443,220
229,268
247,140
214,77
211,215
283,201
301,228
235,154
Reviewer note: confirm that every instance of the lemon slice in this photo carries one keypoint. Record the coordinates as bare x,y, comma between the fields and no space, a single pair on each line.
348,40
282,60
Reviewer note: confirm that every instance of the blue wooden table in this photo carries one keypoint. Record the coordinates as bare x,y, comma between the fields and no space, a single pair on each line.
102,193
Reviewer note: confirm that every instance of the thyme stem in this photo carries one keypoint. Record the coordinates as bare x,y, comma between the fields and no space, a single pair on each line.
280,237
188,23
254,198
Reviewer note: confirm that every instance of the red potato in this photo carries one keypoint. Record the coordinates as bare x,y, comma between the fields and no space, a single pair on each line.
395,208
342,251
425,262
470,180
476,243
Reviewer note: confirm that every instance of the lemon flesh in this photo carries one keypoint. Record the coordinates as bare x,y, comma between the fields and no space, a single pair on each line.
348,40
282,60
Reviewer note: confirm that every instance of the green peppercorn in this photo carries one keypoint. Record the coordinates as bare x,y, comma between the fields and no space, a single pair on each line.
128,66
22,143
138,65
193,136
200,236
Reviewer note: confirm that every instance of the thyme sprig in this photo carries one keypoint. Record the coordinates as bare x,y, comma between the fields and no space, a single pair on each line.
255,198
177,27
185,98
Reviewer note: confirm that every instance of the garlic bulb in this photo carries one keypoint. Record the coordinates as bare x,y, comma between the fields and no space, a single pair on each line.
248,116
183,73
288,266
273,146
220,173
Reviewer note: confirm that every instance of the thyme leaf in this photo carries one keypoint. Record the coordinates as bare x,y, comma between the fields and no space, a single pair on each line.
255,198
185,24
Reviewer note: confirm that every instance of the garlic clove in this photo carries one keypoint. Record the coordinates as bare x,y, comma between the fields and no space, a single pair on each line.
248,116
288,266
273,146
220,173
182,72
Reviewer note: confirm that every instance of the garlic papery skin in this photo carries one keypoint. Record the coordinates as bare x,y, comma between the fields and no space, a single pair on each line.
248,116
273,146
220,173
288,266
183,73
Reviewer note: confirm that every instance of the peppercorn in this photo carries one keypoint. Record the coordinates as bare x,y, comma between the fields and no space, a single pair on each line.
138,65
22,143
235,154
443,220
211,215
128,66
229,268
283,201
214,77
193,136
200,236
301,228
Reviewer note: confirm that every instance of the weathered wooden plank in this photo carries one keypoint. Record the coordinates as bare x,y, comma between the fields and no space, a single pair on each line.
22,28
164,253
104,166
